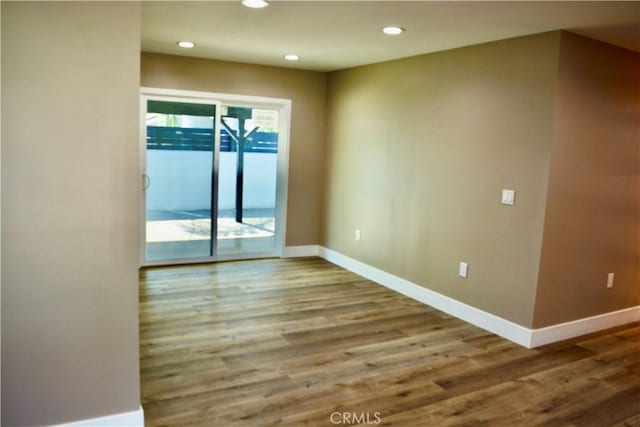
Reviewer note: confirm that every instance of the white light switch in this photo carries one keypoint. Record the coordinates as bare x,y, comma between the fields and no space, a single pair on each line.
358,235
610,278
508,197
462,270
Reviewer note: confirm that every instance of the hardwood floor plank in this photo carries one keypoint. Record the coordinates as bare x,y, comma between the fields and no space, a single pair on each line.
617,408
513,369
291,341
633,421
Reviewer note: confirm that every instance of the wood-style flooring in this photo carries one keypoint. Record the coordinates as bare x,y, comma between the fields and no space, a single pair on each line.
304,342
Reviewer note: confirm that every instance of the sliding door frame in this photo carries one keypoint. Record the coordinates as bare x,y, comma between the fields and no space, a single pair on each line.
283,106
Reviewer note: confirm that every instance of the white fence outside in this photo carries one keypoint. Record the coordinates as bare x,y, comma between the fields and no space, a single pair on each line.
181,180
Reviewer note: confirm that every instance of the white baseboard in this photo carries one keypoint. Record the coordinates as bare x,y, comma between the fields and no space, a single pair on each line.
300,251
519,334
497,325
122,419
575,328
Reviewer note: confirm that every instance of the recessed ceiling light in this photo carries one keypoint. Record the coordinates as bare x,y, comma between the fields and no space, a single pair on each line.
291,57
392,30
186,44
255,4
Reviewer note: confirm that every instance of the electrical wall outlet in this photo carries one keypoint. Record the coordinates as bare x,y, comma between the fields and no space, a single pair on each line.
463,269
610,278
358,235
508,197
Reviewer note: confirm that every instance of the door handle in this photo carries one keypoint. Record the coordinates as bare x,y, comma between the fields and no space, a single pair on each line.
146,181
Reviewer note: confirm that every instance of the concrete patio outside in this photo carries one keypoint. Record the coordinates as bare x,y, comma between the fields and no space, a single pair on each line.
187,234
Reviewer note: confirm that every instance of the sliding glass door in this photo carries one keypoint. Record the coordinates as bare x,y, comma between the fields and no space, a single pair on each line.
247,180
180,190
210,173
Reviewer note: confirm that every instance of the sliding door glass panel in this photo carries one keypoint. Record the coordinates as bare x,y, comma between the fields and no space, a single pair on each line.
247,181
179,191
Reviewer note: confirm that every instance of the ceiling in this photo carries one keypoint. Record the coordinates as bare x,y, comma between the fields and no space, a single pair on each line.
332,35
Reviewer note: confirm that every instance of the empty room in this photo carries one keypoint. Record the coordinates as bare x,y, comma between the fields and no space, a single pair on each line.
320,213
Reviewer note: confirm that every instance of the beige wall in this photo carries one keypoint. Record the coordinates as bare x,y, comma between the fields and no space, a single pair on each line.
419,150
70,78
306,89
592,224
0,215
